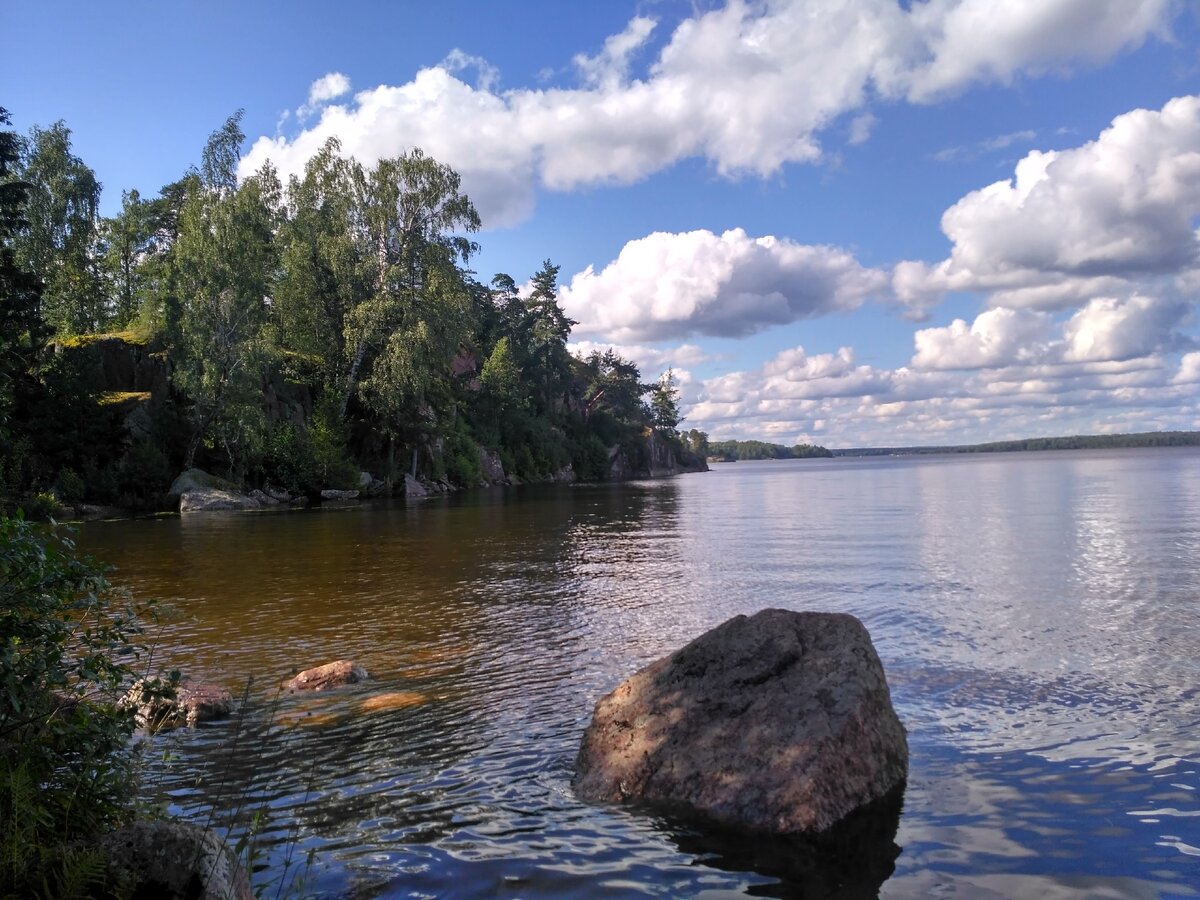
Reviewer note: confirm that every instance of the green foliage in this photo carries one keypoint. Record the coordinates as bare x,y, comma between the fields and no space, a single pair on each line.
66,763
461,459
290,461
664,403
143,475
734,450
590,458
60,244
69,485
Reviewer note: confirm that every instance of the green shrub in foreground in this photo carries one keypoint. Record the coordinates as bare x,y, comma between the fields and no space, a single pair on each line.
68,640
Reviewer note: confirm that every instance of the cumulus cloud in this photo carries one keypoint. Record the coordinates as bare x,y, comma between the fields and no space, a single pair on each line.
998,337
1109,329
326,88
667,285
748,87
974,40
1121,208
1105,330
792,397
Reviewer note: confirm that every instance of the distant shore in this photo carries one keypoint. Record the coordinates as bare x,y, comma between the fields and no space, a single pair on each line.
1073,442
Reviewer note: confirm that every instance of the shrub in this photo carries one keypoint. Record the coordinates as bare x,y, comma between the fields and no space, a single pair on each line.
461,458
68,640
143,475
70,486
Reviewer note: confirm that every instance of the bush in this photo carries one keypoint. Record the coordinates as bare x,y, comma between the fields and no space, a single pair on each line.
461,459
143,475
67,645
70,486
590,459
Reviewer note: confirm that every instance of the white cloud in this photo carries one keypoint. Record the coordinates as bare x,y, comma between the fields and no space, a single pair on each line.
327,87
1109,329
998,337
976,40
610,68
989,145
748,87
674,285
1106,330
1010,374
860,128
1120,208
1189,369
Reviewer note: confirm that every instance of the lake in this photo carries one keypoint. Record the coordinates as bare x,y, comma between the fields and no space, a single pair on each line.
1038,616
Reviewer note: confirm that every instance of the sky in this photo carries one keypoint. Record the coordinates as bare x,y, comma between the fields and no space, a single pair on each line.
848,222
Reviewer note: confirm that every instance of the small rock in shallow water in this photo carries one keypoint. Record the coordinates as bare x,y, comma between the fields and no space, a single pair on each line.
330,675
394,700
194,702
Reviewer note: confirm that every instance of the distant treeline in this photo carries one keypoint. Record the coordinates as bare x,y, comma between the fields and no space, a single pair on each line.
1073,442
735,450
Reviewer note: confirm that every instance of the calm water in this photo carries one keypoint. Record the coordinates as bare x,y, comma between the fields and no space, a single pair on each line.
1038,616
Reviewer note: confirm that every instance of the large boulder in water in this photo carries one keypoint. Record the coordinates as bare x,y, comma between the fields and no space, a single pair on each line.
780,722
175,861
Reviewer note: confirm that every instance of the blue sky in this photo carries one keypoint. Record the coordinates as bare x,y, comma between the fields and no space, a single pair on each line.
855,222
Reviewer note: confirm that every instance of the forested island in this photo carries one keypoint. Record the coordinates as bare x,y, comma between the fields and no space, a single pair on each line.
1073,442
297,336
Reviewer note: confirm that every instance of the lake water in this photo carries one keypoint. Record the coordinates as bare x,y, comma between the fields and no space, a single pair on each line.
1038,615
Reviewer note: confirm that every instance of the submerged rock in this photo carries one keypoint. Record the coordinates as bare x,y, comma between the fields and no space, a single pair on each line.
780,722
331,675
193,702
175,861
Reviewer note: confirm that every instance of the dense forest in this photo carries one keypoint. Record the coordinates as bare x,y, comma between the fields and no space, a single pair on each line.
1074,442
731,451
286,334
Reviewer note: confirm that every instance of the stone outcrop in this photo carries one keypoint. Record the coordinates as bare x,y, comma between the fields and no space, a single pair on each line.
210,499
333,494
193,702
413,489
780,722
335,674
175,861
491,467
198,479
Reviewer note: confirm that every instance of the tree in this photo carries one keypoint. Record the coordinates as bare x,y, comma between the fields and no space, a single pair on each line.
23,332
549,329
419,304
225,258
664,403
696,441
61,245
129,239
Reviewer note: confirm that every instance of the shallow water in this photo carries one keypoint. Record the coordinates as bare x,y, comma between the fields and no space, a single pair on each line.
1038,615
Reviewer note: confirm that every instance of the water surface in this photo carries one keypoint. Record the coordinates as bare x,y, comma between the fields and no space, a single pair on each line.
1038,615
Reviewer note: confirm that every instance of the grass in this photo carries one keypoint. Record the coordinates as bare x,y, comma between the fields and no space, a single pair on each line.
116,398
136,336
